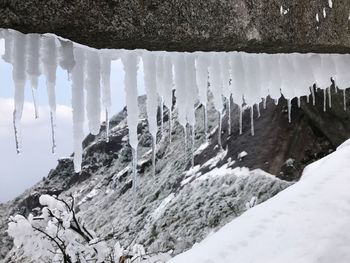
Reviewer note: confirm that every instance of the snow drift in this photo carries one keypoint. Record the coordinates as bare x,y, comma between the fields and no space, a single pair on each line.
308,222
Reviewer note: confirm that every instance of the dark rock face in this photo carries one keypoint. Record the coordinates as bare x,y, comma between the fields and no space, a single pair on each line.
188,25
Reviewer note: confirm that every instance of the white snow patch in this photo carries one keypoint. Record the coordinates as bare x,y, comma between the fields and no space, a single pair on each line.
161,208
330,3
213,161
241,155
201,148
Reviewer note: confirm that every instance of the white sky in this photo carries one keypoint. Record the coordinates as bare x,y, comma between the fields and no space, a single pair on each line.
19,172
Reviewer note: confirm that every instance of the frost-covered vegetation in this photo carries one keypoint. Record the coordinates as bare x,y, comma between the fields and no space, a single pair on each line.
57,234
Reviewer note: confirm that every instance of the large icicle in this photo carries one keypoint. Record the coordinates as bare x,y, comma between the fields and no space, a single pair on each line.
226,89
130,63
150,78
168,88
216,88
49,64
19,78
66,56
33,65
8,36
192,91
202,64
92,85
160,86
78,107
180,88
106,87
238,83
252,94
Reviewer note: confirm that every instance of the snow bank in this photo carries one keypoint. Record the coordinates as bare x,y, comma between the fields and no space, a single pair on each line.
308,222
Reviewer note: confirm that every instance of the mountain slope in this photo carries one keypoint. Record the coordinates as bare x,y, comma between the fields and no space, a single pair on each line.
178,206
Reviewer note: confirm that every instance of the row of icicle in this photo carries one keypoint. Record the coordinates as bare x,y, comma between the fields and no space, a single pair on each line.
245,79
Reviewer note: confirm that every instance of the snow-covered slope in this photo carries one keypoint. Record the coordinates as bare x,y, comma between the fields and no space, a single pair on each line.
171,210
306,223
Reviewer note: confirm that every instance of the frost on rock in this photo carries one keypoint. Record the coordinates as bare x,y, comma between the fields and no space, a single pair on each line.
238,77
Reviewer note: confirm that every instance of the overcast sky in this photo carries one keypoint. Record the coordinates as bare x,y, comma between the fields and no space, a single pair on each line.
19,172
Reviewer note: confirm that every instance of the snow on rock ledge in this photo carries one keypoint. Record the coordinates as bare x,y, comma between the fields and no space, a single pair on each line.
306,223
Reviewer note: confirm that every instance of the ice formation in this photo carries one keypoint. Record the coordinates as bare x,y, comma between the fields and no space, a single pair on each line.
49,65
232,77
150,75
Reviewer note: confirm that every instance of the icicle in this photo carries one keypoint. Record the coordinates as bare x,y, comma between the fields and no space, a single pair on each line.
66,56
130,63
161,116
92,85
299,102
324,99
258,109
107,124
53,127
78,107
252,119
215,81
264,103
18,60
134,175
32,66
106,88
240,119
170,123
202,64
191,89
308,99
205,117
154,150
329,97
313,95
180,86
219,131
36,112
150,71
168,89
226,81
186,146
290,111
160,87
9,45
49,63
192,146
344,95
229,116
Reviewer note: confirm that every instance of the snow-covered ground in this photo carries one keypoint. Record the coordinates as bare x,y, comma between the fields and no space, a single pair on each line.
308,222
